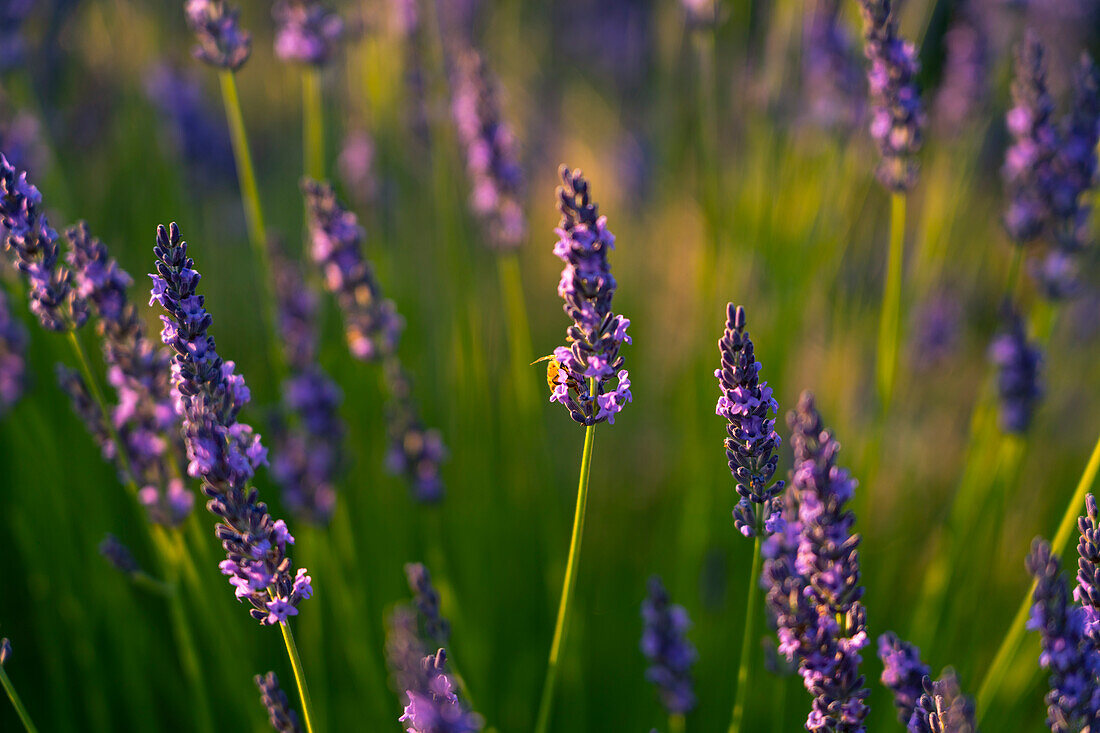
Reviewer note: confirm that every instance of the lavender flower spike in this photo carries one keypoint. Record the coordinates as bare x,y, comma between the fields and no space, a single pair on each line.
13,345
224,453
751,439
33,248
943,708
435,708
426,602
306,31
897,117
1073,703
221,41
1018,362
1087,591
282,718
903,673
491,160
665,645
590,358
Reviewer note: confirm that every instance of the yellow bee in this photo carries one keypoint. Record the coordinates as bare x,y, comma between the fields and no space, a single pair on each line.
553,368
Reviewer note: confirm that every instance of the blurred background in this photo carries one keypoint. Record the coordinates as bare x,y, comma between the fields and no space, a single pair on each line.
728,148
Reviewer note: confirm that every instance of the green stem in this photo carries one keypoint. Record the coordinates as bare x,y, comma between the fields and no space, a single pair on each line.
21,711
676,723
299,674
1009,645
887,361
253,210
568,585
313,127
746,640
519,330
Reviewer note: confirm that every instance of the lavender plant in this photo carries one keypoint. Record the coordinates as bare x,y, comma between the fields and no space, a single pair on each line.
1018,362
943,708
283,719
903,673
220,41
306,31
9,688
1087,590
433,706
671,655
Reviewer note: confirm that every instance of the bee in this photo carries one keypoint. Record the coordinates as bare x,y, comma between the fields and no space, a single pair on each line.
553,368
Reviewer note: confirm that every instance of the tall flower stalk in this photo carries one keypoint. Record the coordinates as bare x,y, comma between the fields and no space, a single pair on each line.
582,370
9,688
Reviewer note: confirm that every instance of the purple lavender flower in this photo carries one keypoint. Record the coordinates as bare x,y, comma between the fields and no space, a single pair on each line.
32,246
282,718
943,708
751,439
5,651
492,164
1068,652
665,645
371,322
426,602
13,346
13,13
199,137
144,418
118,555
416,452
903,673
221,41
965,82
222,451
308,429
72,384
1029,168
937,323
1087,591
356,166
591,357
1018,363
897,117
434,707
832,77
306,31
404,648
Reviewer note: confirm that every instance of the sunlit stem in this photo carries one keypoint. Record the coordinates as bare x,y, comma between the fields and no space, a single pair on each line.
889,322
20,710
299,675
746,640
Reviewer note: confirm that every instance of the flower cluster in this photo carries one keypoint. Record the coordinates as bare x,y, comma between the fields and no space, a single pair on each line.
1018,363
586,365
279,713
426,603
308,429
811,575
491,159
903,673
412,629
1087,591
306,31
943,708
665,645
221,41
371,322
33,247
1073,703
897,117
222,451
13,345
751,440
434,706
144,418
832,77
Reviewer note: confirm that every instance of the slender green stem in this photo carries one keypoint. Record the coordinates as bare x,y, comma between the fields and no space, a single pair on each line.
746,641
299,675
21,711
1009,645
888,336
253,210
676,723
568,585
313,124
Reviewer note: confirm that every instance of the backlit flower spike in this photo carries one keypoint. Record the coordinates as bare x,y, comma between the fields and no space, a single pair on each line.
223,452
590,360
897,116
903,673
436,708
751,439
666,646
221,41
1087,590
32,246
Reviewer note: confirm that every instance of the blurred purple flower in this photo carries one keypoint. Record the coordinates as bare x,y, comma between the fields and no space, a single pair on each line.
936,330
426,602
1018,363
200,138
434,707
306,31
118,555
221,41
13,347
356,166
665,645
282,718
831,75
965,83
903,673
13,48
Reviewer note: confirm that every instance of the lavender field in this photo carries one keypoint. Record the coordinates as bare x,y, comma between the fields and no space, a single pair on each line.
446,366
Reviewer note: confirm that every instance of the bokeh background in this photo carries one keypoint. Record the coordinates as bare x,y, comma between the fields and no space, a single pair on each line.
728,173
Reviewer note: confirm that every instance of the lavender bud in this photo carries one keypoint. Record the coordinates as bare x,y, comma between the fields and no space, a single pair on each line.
223,452
943,708
434,707
221,41
13,346
590,358
282,718
665,645
897,117
903,673
426,602
1073,703
496,179
1087,592
306,31
1018,363
118,555
751,440
32,246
